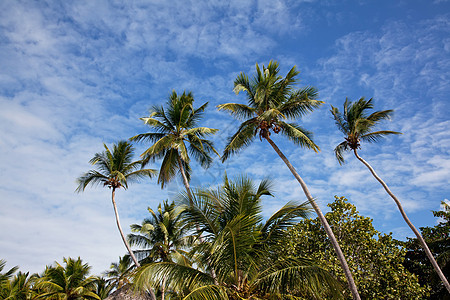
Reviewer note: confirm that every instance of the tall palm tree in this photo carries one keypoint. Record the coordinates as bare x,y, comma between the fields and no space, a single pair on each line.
163,237
272,100
175,136
115,170
358,125
239,246
69,282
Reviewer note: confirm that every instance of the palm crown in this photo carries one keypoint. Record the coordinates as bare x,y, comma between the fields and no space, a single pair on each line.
238,246
272,100
174,126
162,236
115,169
358,125
68,282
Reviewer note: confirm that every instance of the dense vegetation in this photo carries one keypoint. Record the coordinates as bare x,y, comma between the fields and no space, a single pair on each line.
214,243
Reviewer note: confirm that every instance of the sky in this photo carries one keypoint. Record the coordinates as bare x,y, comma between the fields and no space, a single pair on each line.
77,74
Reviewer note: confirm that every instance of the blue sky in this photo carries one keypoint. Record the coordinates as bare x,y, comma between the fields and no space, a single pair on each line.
74,75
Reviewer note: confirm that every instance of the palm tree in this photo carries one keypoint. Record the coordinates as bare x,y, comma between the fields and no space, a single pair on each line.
4,277
115,170
163,237
103,287
357,125
239,246
272,100
174,127
18,287
69,282
119,273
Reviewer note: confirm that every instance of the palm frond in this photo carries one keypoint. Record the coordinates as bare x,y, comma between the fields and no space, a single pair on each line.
298,135
339,151
208,292
239,111
160,146
289,275
169,167
178,277
377,135
241,139
92,177
380,115
147,137
285,217
300,103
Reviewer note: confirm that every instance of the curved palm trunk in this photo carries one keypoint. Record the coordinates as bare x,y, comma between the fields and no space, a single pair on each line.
405,217
120,229
152,294
323,220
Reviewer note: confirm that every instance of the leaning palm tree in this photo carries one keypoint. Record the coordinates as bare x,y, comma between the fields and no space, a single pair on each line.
358,125
175,136
239,246
69,282
115,170
272,100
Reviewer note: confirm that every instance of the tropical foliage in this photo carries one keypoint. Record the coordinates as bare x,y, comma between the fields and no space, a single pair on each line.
68,282
176,137
162,237
119,273
115,170
239,248
18,287
272,100
215,243
438,239
358,125
376,258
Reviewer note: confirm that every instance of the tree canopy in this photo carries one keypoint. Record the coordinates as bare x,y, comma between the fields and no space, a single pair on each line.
376,258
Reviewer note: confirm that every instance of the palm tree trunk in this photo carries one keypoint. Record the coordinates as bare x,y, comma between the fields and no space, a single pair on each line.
152,294
120,230
163,289
188,190
323,220
405,217
185,180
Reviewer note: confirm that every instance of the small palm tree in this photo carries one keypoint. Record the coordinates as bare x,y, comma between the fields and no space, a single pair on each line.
163,237
115,170
103,287
358,125
175,136
69,282
272,100
119,273
239,247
